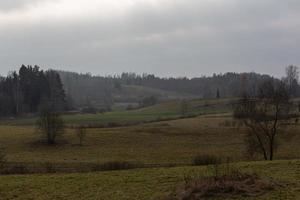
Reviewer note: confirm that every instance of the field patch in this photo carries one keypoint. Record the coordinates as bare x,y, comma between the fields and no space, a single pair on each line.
140,184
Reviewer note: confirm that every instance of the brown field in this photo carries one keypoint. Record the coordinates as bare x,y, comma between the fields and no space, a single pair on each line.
169,142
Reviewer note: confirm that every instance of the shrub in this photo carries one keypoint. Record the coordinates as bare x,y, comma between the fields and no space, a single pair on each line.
89,110
51,125
49,167
115,165
228,186
227,123
18,169
205,160
148,101
224,181
184,107
2,159
130,107
113,124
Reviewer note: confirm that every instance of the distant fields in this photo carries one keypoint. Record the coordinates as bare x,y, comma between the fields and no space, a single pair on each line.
140,184
163,111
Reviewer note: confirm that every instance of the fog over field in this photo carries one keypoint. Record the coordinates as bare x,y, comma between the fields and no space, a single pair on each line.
161,37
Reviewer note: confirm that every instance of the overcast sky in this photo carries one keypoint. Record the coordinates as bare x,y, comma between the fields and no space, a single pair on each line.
163,37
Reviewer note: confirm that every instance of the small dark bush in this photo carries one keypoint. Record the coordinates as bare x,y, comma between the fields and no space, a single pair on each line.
51,125
113,125
89,110
206,160
2,160
130,107
17,169
115,165
148,101
49,167
104,110
227,123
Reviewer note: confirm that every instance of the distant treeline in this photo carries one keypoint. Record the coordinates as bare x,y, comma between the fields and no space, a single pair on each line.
227,85
29,90
86,89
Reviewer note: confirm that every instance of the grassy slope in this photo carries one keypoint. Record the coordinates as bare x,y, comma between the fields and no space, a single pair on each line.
175,141
143,184
161,111
138,92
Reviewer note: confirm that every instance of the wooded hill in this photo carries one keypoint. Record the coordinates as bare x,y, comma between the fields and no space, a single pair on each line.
131,88
30,89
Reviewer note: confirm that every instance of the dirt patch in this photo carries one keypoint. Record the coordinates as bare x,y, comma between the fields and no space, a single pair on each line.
224,187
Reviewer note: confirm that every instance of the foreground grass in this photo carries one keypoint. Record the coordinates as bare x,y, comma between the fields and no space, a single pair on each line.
142,184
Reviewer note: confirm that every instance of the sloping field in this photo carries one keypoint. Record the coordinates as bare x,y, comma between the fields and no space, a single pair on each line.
136,92
176,142
163,111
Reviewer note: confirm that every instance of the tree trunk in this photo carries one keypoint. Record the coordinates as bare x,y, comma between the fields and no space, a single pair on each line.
271,149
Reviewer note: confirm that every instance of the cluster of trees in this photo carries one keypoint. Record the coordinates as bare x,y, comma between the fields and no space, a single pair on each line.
87,91
30,90
148,101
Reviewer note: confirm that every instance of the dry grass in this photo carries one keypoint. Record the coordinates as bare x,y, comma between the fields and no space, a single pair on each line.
227,186
139,184
171,142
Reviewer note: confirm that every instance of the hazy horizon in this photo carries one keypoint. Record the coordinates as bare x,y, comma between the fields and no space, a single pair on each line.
168,38
157,75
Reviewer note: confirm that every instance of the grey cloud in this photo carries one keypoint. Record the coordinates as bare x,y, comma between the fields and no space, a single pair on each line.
183,38
9,5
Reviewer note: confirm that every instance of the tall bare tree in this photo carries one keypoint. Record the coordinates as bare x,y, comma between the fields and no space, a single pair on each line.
51,125
291,79
264,114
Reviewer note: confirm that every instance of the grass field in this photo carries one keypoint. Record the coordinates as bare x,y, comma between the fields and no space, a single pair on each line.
177,141
140,184
172,142
136,92
167,110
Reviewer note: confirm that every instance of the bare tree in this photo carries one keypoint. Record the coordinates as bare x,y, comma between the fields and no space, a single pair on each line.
218,96
81,134
264,115
183,107
291,79
2,159
16,91
51,124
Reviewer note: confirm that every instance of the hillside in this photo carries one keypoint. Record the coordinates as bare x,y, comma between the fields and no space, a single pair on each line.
163,111
100,91
131,93
167,142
